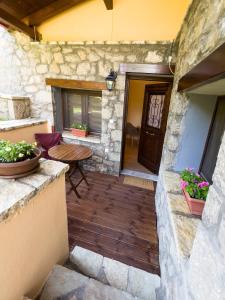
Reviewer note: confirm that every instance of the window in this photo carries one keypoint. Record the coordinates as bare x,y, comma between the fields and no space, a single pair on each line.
82,107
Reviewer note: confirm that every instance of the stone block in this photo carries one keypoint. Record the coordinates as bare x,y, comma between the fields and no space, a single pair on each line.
116,273
212,208
116,135
142,284
58,58
97,291
83,68
64,284
221,235
66,70
153,57
206,269
42,69
88,262
72,58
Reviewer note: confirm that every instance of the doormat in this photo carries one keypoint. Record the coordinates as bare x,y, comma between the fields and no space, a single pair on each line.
139,182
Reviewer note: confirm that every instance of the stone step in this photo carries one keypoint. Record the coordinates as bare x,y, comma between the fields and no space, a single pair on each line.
116,274
65,284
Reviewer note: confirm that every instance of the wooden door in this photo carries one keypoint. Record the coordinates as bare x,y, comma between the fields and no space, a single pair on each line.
153,128
213,142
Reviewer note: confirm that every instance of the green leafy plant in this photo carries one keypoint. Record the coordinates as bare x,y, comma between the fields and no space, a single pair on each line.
80,126
194,184
14,152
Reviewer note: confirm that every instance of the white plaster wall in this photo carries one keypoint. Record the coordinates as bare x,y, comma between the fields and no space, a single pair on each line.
196,126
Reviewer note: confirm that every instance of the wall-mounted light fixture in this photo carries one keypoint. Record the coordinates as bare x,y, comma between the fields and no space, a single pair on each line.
111,80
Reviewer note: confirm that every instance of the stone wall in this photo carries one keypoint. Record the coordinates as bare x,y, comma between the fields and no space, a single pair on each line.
24,65
202,275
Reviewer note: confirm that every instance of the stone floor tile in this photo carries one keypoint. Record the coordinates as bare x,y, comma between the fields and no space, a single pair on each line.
96,290
64,284
116,273
86,261
142,284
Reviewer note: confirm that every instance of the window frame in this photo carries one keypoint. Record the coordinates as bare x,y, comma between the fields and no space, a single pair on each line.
85,94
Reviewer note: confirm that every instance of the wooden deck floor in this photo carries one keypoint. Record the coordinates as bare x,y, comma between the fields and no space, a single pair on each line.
115,220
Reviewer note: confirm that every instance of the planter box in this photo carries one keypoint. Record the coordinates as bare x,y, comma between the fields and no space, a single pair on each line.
79,132
21,168
196,206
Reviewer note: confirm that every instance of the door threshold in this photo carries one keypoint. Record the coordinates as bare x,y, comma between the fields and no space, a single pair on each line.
138,174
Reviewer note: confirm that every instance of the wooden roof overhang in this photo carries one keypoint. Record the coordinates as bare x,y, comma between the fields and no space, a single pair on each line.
210,69
25,15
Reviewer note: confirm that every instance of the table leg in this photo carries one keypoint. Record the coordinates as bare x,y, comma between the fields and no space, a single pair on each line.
82,173
69,175
72,170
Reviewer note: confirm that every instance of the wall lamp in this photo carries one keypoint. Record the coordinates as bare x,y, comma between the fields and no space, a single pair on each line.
111,80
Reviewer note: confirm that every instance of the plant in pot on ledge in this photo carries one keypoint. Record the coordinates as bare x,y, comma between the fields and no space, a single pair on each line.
195,190
80,130
18,159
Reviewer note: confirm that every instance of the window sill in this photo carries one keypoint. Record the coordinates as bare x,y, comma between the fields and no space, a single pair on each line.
184,223
94,139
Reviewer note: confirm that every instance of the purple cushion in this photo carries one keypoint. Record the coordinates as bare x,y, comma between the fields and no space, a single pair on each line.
47,141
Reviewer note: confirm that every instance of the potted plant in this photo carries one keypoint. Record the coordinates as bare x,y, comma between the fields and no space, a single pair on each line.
18,159
79,129
195,190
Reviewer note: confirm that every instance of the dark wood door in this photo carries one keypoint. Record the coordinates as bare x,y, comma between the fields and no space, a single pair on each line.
213,142
153,128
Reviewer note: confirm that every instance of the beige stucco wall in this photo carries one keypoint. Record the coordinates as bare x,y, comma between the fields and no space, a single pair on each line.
136,100
32,241
129,20
25,133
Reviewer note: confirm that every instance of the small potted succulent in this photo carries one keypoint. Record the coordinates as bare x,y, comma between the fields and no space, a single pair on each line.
80,130
18,159
195,190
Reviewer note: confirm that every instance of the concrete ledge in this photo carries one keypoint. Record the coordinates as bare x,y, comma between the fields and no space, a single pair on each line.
94,139
184,223
14,124
16,193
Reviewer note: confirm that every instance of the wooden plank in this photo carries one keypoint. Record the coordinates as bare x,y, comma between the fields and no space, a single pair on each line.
12,22
51,10
154,69
108,4
76,84
21,9
115,220
209,69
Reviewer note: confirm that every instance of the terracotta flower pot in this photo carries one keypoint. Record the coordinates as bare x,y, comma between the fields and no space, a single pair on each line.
196,206
21,168
79,132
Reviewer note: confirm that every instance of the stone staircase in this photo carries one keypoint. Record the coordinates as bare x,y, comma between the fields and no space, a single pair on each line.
90,276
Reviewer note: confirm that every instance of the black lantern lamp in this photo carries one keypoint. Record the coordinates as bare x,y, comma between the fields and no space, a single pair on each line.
111,80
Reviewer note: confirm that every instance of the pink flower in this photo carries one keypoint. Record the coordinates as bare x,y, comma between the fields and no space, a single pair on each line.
183,184
203,184
190,169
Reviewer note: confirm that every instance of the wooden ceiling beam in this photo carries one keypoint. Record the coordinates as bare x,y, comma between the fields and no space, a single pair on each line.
51,10
12,22
108,4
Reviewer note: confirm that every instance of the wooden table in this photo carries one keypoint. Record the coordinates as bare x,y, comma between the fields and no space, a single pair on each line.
72,155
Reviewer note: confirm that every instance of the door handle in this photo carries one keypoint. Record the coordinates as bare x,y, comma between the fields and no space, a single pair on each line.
150,133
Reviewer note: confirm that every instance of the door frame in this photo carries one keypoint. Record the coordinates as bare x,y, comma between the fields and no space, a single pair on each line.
209,136
137,76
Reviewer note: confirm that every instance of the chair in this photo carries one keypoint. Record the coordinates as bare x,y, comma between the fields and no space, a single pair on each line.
46,141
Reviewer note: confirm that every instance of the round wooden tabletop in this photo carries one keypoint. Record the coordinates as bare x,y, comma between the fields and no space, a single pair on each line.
70,152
